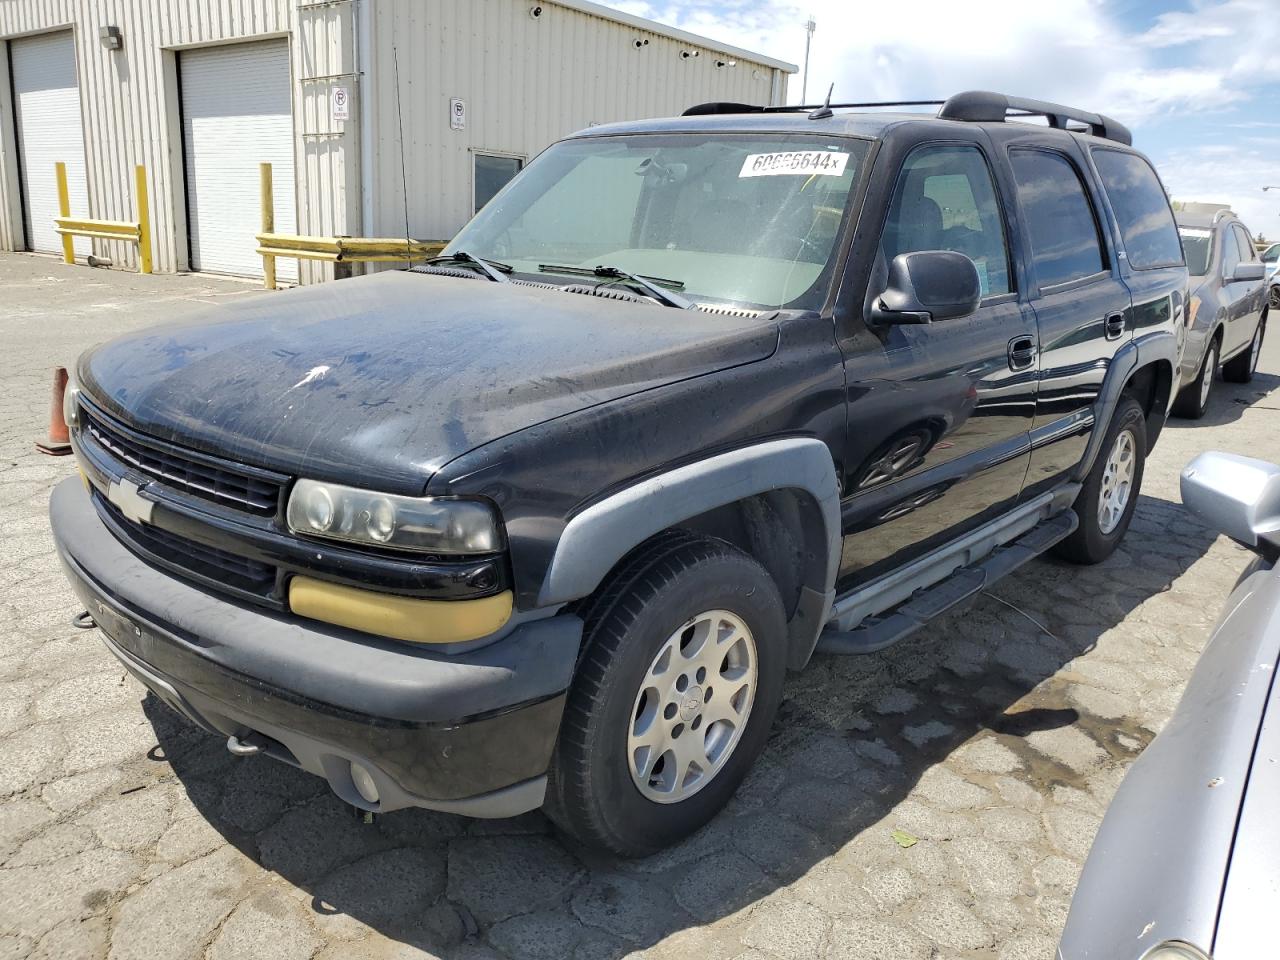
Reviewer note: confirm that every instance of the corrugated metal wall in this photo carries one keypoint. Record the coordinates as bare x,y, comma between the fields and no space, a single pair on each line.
526,84
129,103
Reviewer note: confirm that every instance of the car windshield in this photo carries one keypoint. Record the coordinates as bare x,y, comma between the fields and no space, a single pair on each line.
741,219
1271,254
1196,244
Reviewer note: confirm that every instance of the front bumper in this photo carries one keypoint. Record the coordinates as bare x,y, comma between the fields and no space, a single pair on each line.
467,733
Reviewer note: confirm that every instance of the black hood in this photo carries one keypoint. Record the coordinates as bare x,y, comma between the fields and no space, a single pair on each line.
382,380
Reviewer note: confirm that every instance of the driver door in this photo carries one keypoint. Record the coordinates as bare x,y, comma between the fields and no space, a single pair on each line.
939,414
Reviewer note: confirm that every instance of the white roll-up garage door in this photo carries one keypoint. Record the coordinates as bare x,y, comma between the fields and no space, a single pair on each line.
236,114
47,110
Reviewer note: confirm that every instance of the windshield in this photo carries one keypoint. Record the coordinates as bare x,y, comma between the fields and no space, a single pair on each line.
1196,244
742,219
1271,254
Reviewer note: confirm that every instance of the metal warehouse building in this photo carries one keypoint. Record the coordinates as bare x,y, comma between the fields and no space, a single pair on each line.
201,92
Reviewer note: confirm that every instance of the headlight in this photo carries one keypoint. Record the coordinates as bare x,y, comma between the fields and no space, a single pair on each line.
1175,951
71,403
422,524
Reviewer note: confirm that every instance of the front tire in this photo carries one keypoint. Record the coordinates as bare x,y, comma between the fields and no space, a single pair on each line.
1109,496
1193,399
681,676
1240,368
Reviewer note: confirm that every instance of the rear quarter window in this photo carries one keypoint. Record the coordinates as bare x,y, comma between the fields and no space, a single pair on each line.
1141,209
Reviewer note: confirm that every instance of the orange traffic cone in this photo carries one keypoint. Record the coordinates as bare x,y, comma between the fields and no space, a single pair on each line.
59,442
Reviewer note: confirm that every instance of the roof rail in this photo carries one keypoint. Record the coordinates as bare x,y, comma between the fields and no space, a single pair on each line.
982,106
975,106
717,107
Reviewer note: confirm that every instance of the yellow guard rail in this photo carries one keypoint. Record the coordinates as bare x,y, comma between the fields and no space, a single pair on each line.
138,232
331,249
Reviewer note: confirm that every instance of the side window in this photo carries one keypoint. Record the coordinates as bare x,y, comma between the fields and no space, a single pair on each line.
1141,209
1247,251
945,200
1059,217
492,174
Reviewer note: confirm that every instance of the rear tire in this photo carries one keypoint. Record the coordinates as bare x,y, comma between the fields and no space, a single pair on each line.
1106,503
1193,399
1240,368
608,787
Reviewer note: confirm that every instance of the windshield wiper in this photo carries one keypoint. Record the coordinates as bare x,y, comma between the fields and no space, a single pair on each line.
648,284
489,268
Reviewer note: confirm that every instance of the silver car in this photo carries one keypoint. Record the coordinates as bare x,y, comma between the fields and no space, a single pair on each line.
1186,864
1271,259
1227,317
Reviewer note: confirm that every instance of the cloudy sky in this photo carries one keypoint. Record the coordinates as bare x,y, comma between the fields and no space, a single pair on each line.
1198,81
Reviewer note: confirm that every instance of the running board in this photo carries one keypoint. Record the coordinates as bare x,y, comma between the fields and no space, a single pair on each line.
926,604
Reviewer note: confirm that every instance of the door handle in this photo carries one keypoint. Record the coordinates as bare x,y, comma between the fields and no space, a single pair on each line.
1115,326
1022,353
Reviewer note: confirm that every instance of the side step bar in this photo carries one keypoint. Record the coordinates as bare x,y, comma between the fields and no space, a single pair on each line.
928,603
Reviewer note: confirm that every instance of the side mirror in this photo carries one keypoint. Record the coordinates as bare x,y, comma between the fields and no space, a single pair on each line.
1248,271
928,286
1238,496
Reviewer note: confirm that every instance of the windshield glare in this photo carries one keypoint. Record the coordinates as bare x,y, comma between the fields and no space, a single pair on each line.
742,219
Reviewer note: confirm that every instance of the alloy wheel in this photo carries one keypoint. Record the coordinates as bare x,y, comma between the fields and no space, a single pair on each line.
1117,482
692,707
1206,375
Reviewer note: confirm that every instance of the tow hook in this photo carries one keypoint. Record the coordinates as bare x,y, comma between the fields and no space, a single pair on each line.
83,621
245,746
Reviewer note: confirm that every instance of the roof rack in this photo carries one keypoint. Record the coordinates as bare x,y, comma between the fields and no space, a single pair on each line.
982,106
715,107
974,106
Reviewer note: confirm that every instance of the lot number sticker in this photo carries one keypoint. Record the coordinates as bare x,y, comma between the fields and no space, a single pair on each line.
796,163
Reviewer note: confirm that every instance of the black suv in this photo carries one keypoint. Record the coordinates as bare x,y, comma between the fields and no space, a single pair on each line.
545,522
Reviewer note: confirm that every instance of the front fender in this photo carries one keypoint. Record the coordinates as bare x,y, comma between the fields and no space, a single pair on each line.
599,536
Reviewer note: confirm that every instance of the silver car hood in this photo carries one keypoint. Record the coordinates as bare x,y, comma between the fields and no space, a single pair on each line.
1247,920
1159,862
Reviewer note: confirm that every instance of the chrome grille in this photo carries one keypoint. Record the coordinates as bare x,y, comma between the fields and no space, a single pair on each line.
191,473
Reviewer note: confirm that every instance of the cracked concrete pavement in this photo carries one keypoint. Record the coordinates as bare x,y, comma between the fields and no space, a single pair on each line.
994,739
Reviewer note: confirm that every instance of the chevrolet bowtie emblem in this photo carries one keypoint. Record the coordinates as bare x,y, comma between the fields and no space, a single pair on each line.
124,494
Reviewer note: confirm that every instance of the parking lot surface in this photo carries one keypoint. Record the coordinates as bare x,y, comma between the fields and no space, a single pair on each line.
936,800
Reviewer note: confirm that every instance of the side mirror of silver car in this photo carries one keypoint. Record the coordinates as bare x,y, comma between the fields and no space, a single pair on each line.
1248,272
1238,496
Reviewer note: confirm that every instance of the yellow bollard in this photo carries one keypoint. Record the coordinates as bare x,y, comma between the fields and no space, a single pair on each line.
268,224
144,219
64,211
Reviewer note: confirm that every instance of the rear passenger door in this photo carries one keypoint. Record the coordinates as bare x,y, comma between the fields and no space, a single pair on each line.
1246,297
1082,307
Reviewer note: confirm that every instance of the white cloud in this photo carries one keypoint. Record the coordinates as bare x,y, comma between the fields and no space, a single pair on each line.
1068,50
1186,65
1176,29
1232,175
